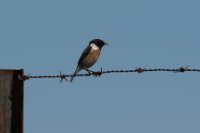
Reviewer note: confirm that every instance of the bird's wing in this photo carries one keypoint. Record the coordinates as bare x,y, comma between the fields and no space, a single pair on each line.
84,54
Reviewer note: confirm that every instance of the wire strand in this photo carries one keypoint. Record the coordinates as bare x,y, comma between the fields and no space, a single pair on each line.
99,73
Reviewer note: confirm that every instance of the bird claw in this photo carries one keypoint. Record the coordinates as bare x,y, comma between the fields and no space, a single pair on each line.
96,74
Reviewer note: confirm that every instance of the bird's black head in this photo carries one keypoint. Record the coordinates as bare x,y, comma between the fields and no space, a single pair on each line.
98,42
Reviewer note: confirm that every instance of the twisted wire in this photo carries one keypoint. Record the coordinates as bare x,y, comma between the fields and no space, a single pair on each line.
99,73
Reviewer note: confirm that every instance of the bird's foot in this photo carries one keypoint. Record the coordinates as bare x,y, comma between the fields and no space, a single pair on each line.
95,73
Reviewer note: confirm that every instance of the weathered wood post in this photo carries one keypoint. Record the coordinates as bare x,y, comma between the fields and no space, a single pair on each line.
11,101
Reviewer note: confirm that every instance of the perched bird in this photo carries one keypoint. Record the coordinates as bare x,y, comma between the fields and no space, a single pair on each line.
89,56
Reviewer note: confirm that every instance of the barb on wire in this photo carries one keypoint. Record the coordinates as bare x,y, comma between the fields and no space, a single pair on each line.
182,69
99,73
62,76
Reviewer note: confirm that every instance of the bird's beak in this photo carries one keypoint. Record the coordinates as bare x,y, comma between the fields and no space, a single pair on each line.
106,43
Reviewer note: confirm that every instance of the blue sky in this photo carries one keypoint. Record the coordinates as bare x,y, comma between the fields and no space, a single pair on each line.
46,36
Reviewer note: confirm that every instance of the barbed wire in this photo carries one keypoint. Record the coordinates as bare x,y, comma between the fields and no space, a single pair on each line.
99,73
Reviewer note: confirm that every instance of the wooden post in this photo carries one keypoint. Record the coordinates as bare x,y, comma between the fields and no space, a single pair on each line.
11,101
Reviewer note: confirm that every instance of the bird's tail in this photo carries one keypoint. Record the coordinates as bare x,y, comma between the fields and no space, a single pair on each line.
76,71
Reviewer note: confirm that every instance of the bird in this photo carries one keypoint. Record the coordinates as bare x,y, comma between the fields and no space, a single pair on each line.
89,56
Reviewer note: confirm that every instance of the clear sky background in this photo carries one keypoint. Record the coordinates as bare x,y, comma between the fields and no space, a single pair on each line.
46,36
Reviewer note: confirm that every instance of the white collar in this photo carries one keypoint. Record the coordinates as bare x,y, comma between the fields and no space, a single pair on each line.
94,46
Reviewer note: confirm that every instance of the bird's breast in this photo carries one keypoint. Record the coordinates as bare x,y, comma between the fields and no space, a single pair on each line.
91,58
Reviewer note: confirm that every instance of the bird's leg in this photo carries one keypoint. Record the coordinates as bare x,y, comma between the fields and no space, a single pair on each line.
89,71
98,73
